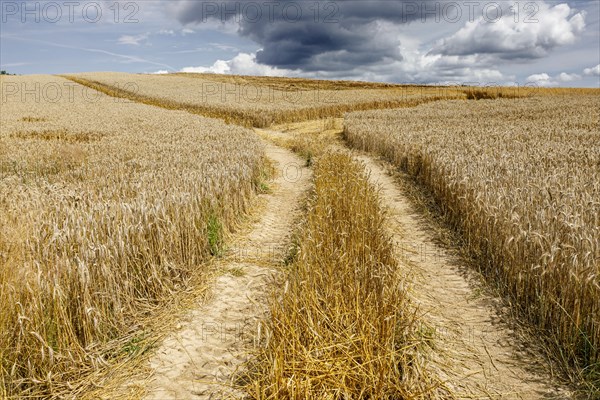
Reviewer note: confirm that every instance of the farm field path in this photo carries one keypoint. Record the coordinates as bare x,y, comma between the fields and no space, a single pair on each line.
475,351
479,355
200,359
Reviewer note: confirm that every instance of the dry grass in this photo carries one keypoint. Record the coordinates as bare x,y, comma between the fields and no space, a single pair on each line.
497,93
309,139
519,179
343,326
519,92
33,119
97,236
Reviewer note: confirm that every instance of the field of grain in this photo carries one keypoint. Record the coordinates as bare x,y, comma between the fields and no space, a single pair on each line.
344,326
261,103
264,101
109,208
520,179
118,194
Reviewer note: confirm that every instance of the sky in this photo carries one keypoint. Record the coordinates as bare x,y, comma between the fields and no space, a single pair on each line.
542,42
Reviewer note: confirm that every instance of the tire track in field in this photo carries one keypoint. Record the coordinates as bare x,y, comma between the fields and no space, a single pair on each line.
199,361
475,351
478,354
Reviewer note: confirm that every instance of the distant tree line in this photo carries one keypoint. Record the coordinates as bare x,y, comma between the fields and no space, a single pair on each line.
3,72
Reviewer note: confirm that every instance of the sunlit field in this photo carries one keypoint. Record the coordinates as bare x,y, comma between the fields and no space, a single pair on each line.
120,193
107,209
520,179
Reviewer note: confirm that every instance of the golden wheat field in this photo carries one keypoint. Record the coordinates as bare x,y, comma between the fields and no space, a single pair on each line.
356,290
521,180
107,209
130,199
261,103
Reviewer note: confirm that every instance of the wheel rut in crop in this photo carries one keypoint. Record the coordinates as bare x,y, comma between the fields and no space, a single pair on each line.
475,351
200,359
478,354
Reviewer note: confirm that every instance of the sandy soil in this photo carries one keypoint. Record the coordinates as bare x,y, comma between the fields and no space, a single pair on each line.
478,353
199,361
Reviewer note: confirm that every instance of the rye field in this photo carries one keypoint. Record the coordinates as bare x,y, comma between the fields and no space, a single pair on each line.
210,236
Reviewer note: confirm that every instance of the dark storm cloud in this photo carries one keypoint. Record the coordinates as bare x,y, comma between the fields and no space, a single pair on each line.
314,35
313,46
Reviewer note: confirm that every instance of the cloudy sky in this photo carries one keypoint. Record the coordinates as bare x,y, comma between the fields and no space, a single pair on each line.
547,43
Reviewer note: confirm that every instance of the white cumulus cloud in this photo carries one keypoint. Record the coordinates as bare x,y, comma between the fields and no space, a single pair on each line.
541,80
594,71
514,37
242,64
545,80
565,77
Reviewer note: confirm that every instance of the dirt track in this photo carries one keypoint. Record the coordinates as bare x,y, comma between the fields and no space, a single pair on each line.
200,359
478,354
475,352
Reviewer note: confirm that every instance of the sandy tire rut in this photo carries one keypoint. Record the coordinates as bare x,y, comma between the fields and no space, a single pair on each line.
200,359
477,354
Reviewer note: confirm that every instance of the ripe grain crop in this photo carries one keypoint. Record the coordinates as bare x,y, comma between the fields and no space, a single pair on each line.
520,179
107,210
260,102
285,83
343,325
516,92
